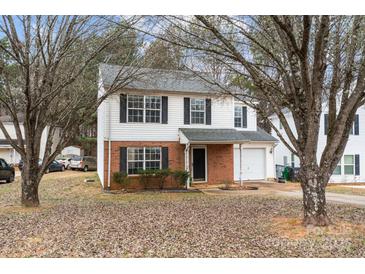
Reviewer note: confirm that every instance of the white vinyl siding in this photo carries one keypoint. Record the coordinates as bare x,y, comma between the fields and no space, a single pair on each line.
222,117
355,145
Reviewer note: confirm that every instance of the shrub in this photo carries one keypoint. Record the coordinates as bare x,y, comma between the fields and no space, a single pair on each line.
181,176
145,176
160,174
121,178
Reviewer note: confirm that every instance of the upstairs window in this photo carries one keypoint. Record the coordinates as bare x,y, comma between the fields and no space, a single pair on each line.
197,111
240,116
153,109
237,116
144,109
135,108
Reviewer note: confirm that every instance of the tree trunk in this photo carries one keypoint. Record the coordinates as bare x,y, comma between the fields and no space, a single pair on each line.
314,200
30,184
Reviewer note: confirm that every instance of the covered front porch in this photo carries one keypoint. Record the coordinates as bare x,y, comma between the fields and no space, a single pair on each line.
215,156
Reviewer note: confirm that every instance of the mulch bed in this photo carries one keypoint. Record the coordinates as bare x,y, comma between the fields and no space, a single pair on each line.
232,188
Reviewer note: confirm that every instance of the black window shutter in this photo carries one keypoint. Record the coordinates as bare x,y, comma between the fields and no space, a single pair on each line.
244,117
325,116
186,111
356,131
123,160
357,164
208,111
165,157
123,108
165,110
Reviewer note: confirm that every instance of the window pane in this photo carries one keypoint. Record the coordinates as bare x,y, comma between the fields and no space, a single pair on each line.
153,153
135,101
152,116
337,170
133,167
135,154
349,170
153,102
153,107
135,115
349,159
152,164
197,117
198,104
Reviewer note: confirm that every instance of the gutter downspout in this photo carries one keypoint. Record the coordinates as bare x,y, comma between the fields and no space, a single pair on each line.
241,165
109,146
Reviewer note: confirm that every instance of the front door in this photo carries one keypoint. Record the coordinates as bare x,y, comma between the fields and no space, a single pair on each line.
199,165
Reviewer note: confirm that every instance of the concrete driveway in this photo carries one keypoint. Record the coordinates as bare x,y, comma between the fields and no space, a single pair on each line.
331,197
292,190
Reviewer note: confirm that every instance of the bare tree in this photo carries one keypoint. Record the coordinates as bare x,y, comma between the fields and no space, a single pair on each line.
49,75
296,64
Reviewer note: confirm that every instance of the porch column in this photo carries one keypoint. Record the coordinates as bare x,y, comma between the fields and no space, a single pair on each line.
241,164
187,165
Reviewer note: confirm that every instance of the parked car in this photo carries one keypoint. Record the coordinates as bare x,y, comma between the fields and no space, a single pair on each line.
7,172
54,166
84,163
65,160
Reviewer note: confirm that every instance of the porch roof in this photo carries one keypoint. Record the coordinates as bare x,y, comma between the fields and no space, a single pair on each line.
223,136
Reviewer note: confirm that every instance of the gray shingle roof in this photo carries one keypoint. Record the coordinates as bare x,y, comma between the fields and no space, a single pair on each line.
226,135
157,79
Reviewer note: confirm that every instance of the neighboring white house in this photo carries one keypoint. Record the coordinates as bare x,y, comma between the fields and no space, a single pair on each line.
172,119
72,150
351,168
8,153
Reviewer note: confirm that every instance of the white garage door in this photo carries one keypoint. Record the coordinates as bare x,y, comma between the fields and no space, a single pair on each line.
253,164
5,153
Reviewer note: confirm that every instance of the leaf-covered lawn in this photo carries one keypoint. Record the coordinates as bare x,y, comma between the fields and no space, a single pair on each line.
77,220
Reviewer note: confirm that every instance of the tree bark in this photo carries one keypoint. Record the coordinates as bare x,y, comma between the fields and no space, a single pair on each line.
314,200
30,183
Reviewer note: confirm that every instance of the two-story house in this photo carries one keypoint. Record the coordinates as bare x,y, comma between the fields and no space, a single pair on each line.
349,168
173,119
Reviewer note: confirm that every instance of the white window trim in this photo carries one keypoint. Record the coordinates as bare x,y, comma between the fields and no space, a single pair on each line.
144,159
204,111
144,109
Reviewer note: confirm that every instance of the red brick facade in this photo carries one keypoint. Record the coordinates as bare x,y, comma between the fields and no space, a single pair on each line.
220,161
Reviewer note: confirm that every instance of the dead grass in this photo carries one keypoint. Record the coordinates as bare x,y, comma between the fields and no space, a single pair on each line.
77,219
345,190
292,228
